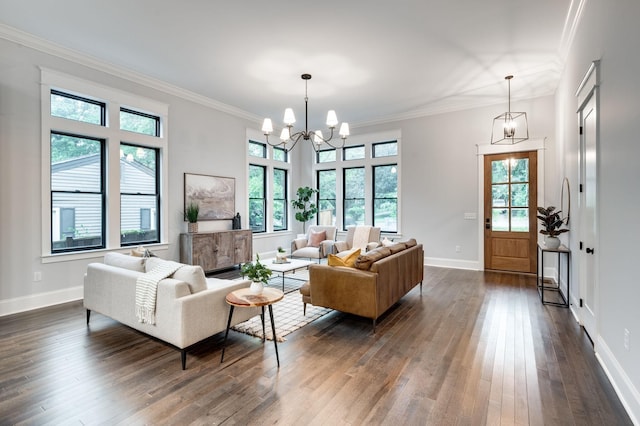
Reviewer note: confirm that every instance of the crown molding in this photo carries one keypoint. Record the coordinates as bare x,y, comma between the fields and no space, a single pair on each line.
28,40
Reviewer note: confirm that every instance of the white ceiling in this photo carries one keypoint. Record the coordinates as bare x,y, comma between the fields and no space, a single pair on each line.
371,60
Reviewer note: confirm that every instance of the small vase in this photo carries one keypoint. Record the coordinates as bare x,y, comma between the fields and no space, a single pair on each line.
192,227
552,242
256,287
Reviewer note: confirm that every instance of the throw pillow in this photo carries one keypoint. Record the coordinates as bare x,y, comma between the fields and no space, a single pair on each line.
124,261
386,242
348,260
395,248
315,238
194,276
410,243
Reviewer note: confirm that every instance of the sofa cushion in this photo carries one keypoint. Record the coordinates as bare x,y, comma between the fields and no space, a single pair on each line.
348,260
315,238
193,275
410,243
124,261
395,248
364,261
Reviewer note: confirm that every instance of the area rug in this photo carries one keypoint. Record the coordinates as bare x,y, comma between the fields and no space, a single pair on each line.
287,313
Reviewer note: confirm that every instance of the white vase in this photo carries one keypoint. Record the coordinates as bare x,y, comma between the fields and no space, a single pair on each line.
552,242
256,287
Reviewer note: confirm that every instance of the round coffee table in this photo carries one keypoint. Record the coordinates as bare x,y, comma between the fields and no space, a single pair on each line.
244,298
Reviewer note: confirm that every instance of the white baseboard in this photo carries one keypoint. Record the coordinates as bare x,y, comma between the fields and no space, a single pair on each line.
626,391
473,265
40,300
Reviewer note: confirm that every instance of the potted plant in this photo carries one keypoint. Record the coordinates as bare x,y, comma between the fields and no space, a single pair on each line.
281,255
307,208
257,273
191,214
551,222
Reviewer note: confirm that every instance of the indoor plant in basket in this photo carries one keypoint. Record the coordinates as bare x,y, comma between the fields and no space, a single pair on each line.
281,255
191,214
551,222
257,273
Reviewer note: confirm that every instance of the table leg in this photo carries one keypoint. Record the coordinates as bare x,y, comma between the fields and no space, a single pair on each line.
264,332
283,282
224,344
273,329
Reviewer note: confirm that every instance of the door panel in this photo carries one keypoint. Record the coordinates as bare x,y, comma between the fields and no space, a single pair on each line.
510,201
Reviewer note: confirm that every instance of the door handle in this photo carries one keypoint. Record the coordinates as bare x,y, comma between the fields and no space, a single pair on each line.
589,250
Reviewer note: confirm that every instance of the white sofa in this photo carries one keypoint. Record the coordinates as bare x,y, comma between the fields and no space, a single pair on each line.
189,306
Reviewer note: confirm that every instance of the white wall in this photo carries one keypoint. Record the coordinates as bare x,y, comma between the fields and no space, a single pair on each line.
610,32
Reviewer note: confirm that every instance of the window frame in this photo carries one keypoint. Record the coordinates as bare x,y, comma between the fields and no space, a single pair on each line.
374,198
114,99
263,198
285,200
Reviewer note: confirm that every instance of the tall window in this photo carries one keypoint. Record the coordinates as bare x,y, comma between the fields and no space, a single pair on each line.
365,177
279,199
269,170
139,195
354,196
77,192
385,197
82,184
257,199
326,197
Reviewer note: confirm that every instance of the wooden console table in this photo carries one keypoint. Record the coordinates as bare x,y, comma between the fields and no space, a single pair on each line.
560,251
217,249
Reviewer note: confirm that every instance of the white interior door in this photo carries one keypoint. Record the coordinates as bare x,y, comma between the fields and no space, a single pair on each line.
588,254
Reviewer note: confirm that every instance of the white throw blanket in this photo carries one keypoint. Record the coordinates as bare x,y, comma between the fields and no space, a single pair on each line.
147,288
361,236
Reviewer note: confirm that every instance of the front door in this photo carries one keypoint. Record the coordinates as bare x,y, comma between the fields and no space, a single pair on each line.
510,201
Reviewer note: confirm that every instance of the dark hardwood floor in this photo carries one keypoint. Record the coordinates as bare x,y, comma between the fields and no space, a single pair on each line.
476,348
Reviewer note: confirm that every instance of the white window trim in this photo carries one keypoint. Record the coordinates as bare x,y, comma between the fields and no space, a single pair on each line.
368,140
114,100
270,164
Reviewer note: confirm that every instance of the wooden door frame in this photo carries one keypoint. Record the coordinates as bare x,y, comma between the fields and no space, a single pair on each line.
528,145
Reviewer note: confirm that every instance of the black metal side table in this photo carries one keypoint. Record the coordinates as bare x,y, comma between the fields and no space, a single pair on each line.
560,251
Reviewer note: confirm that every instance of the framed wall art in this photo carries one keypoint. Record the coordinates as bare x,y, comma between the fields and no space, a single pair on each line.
215,195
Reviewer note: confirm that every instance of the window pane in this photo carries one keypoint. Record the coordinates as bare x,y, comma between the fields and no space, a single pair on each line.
257,204
137,219
279,184
257,149
520,170
326,156
520,220
353,212
354,183
279,215
279,199
76,108
256,215
327,197
280,154
499,172
499,220
256,181
385,213
137,169
75,163
385,149
354,152
385,193
500,195
520,195
138,122
76,221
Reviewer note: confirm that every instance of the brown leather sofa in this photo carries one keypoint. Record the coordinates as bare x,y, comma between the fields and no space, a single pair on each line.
379,279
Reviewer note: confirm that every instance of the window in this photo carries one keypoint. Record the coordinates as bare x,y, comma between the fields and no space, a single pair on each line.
326,156
385,149
82,190
77,192
353,152
139,122
269,171
139,195
365,179
385,197
257,202
279,199
354,196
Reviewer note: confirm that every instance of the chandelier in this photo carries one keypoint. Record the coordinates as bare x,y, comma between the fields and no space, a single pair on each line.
288,137
505,125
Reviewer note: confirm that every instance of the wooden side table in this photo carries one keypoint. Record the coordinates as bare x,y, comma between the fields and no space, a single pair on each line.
562,250
243,298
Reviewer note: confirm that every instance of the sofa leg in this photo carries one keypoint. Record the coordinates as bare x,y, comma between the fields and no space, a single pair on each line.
304,308
183,358
374,326
88,315
420,288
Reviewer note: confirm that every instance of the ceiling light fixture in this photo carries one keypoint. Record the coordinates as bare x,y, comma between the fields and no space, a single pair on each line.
506,124
289,118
